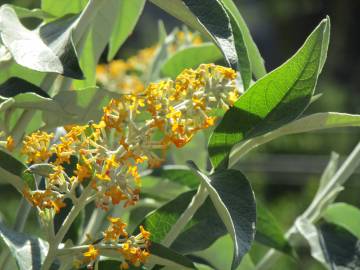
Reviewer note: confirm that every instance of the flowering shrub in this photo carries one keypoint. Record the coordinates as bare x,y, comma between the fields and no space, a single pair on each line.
80,152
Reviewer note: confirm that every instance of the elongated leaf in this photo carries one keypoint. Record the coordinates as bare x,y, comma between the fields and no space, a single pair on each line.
15,86
63,7
178,174
329,172
313,122
31,13
210,18
15,172
276,99
28,251
127,17
161,54
190,57
98,37
48,49
341,248
206,226
160,255
42,169
165,256
234,201
344,215
33,101
256,60
79,106
268,231
202,231
244,65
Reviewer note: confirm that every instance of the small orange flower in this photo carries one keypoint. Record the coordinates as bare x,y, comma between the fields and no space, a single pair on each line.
10,143
92,253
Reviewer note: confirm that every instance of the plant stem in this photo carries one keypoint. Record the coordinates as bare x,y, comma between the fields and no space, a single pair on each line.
94,223
312,213
198,199
74,212
186,216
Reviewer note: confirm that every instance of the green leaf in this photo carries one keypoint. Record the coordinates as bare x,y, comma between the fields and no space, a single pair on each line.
34,102
341,248
160,221
202,231
268,231
244,65
28,251
31,13
96,40
162,255
177,174
128,15
190,57
42,169
15,86
276,99
234,201
47,49
313,122
80,106
256,61
344,215
63,7
15,172
208,17
15,70
219,256
206,226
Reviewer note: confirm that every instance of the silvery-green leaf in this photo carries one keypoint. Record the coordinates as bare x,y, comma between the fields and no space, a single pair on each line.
28,251
313,122
340,247
47,49
42,169
208,17
234,201
310,233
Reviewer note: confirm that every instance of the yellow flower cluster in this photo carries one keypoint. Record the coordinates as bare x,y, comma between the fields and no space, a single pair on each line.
127,75
134,249
132,131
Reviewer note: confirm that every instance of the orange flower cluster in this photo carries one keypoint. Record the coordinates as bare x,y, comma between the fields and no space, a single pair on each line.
131,132
133,249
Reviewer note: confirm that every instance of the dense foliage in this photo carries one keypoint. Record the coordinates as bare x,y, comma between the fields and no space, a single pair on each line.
95,148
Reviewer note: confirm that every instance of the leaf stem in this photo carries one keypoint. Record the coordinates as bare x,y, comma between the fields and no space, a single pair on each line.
74,212
196,202
94,223
312,213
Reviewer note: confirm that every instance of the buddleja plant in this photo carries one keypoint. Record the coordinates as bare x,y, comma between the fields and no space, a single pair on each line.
88,146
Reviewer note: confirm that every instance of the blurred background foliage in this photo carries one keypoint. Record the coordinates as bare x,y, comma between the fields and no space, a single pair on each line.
285,172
